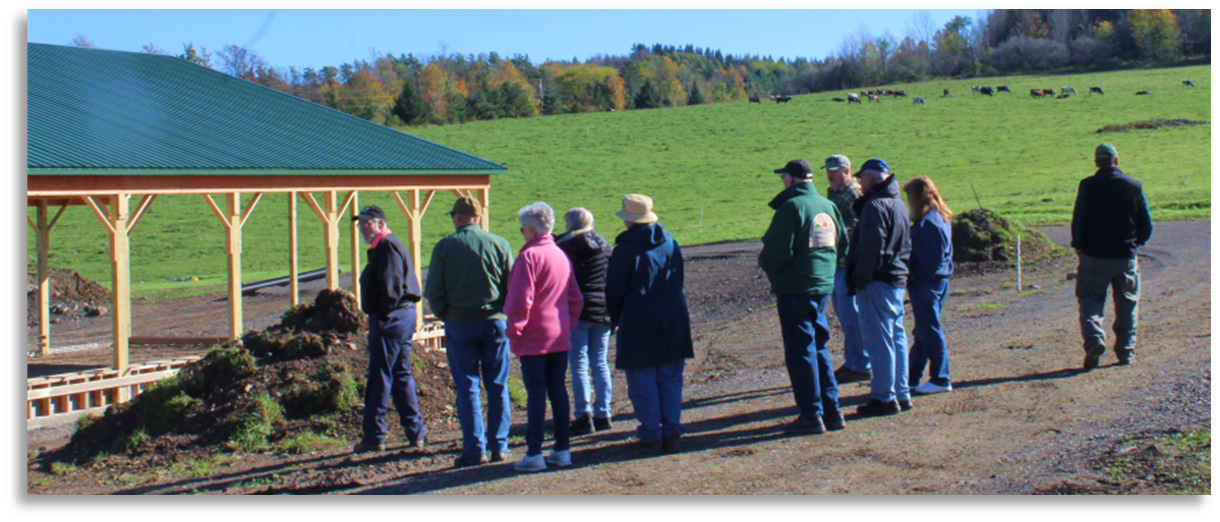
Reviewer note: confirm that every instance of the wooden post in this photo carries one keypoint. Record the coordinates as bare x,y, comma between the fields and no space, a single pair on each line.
355,206
233,248
332,241
416,222
43,241
293,271
485,201
120,260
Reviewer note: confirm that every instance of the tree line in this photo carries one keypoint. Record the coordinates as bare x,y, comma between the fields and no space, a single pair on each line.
448,88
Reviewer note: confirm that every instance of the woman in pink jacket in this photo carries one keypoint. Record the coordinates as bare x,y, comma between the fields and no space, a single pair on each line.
543,303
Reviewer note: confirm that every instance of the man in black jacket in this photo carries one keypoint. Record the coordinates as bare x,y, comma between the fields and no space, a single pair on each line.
1109,224
389,290
877,276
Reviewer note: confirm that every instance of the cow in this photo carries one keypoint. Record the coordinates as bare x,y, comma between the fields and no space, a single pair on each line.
754,99
1063,96
987,91
917,100
1095,90
1003,88
783,99
837,99
874,98
946,92
852,98
1143,93
1036,92
974,90
1048,92
1065,89
900,93
1187,83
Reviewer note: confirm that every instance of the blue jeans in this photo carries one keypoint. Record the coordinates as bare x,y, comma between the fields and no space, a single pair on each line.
590,341
885,338
390,377
927,301
474,348
802,321
854,355
1094,279
544,376
656,396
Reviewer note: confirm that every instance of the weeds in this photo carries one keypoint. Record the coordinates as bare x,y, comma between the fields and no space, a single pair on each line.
255,424
307,443
62,468
516,391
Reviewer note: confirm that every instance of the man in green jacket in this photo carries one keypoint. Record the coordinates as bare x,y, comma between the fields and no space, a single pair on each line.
466,286
801,250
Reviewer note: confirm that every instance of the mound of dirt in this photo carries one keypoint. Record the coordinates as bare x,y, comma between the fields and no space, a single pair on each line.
297,383
981,235
72,296
1147,124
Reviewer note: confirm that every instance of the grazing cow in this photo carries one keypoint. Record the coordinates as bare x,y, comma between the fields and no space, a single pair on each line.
874,98
1187,83
1063,96
900,93
783,99
1003,88
1063,90
974,90
1036,92
946,92
1048,92
837,99
1143,93
852,98
987,91
1095,90
917,100
754,99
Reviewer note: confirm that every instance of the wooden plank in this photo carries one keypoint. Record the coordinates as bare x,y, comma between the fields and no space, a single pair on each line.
97,212
217,210
120,255
354,200
293,272
61,391
233,251
139,213
60,419
253,202
176,341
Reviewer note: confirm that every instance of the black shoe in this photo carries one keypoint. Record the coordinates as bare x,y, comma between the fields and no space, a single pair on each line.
602,424
500,456
648,449
582,426
877,408
470,459
1092,356
905,405
834,422
809,425
672,444
1125,358
845,375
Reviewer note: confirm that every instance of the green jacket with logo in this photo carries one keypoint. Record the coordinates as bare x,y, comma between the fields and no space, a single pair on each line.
804,243
468,276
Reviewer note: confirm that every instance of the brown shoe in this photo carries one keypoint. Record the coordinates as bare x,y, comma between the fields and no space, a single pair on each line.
365,447
470,459
672,443
1092,356
649,449
806,425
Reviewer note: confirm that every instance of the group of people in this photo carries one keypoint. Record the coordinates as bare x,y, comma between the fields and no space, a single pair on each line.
860,247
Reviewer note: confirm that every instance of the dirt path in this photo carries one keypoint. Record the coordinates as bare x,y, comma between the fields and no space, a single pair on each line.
1023,418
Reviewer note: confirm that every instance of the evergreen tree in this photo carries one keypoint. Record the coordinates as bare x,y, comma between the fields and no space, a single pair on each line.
696,97
649,96
409,106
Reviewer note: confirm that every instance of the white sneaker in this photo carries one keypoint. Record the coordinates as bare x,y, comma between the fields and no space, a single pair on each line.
528,463
562,459
928,388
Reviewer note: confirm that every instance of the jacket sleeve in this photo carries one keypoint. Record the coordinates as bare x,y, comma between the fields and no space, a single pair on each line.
1078,218
504,260
842,241
926,248
434,286
1143,221
520,298
868,252
777,250
576,301
618,281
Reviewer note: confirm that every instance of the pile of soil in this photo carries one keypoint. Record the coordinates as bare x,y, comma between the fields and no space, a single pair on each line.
1147,124
982,235
300,379
72,296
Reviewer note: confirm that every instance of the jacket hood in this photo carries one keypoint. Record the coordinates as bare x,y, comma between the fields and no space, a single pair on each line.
651,236
584,243
800,189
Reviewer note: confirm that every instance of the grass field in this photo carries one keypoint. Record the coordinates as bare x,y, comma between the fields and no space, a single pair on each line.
708,168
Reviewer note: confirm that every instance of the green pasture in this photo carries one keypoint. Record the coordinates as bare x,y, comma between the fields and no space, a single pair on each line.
708,168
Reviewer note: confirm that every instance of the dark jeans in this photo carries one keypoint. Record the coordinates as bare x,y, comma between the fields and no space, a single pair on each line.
390,377
1093,279
802,321
477,348
656,397
544,377
927,301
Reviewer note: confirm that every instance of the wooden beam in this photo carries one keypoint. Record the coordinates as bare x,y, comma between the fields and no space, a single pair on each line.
293,272
233,249
101,216
416,222
140,209
219,213
313,203
332,240
120,259
42,186
253,203
354,200
351,196
485,200
43,243
57,214
176,341
406,211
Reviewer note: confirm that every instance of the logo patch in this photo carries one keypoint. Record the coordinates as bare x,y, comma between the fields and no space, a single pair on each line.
824,233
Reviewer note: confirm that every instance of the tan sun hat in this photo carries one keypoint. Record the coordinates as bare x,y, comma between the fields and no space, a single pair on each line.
637,208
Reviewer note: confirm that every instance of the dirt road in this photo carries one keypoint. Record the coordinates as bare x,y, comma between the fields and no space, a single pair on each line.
1023,417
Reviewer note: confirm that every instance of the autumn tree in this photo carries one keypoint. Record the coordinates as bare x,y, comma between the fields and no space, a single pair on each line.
432,91
1155,32
200,57
240,62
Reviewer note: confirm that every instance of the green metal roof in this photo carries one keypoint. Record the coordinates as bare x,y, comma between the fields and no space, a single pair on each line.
106,111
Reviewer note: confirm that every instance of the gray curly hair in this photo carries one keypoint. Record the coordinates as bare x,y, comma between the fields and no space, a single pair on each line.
537,214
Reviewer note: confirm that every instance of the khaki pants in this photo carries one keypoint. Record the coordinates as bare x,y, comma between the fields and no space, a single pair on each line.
1094,278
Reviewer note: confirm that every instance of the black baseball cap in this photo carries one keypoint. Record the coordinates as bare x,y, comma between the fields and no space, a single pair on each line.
798,169
370,212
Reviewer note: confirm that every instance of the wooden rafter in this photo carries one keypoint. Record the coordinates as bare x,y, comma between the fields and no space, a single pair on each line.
101,216
140,209
246,215
56,218
216,209
343,209
317,209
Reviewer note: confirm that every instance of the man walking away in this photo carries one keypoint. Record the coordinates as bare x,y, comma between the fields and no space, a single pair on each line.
843,192
388,293
877,274
1109,224
805,241
466,287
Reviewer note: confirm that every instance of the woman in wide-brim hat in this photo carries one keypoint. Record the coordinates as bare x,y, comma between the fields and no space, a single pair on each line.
645,300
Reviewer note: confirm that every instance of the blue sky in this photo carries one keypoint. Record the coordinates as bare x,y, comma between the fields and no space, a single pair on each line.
317,38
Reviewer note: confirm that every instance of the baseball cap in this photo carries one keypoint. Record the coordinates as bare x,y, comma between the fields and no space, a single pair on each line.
877,164
798,169
370,212
1105,150
836,162
467,207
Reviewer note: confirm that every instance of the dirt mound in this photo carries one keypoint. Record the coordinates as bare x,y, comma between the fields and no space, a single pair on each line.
1147,124
72,296
981,235
294,387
